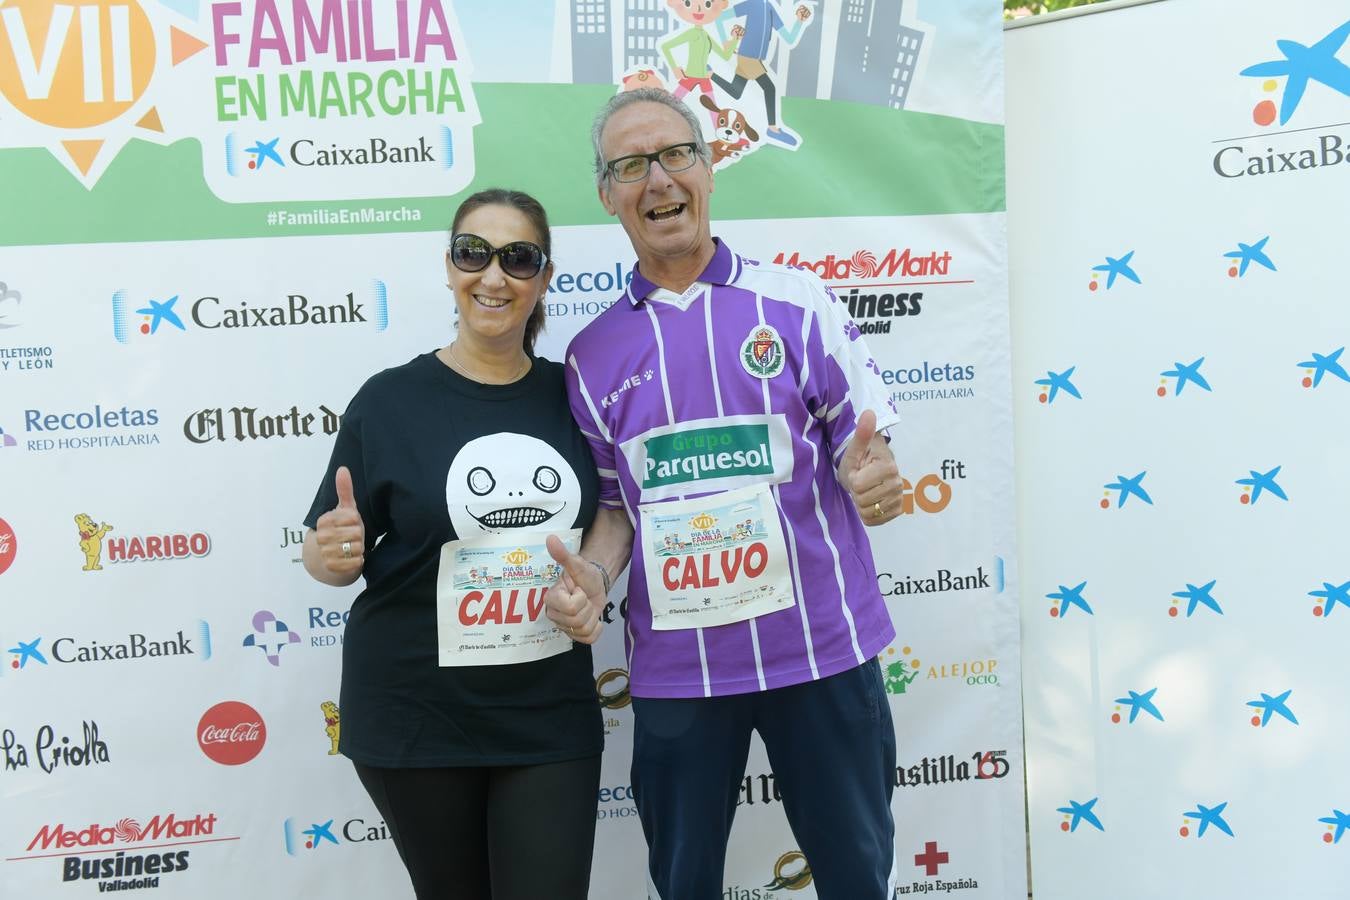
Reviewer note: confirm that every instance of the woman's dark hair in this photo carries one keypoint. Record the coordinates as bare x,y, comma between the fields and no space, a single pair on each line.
533,210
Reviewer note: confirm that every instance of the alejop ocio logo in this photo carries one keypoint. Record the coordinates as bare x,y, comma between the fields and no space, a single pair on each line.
231,733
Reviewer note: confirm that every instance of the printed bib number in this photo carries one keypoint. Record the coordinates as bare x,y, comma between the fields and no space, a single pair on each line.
490,599
715,560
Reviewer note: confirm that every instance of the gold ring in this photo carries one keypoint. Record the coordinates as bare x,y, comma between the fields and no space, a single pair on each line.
346,549
876,509
568,628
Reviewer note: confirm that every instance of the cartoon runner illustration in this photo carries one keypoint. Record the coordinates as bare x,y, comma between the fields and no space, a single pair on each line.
762,19
694,74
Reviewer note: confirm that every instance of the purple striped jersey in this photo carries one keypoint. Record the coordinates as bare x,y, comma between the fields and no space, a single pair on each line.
683,396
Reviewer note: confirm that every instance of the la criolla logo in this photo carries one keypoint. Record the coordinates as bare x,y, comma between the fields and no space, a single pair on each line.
231,733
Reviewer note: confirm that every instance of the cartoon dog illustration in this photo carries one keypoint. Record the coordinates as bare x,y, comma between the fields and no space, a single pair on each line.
643,78
731,133
91,541
332,724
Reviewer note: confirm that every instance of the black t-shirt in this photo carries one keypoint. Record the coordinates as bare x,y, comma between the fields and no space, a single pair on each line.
434,457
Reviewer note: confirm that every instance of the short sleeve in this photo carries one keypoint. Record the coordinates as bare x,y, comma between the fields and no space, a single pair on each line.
349,451
595,432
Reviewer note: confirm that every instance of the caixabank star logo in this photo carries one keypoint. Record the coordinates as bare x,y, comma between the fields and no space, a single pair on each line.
1182,374
1297,73
1137,702
1328,596
1257,484
1272,705
1050,387
1114,267
1078,812
1195,597
1322,365
1245,255
1204,817
1126,488
359,99
1068,597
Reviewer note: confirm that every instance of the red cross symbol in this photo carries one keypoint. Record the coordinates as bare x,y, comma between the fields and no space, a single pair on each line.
930,858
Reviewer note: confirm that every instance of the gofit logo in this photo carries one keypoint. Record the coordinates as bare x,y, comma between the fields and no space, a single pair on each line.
932,493
246,423
270,635
985,765
9,546
727,452
211,313
231,733
611,687
1300,149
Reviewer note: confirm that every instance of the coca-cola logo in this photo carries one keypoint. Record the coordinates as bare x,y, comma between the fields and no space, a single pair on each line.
8,546
231,733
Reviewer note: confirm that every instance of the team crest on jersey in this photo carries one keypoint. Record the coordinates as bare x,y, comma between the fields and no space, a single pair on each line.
762,353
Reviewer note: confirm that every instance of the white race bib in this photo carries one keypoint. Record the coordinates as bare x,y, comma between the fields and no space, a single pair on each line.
715,560
490,599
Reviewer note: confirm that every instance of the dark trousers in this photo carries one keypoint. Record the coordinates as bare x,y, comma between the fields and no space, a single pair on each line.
831,744
493,832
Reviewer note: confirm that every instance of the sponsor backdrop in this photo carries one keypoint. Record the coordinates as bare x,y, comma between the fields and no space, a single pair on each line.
1181,394
220,218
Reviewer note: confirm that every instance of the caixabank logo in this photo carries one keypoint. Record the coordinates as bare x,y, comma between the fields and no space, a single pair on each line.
1137,702
151,645
941,581
879,290
1322,365
1068,599
1127,489
1114,267
1054,383
304,836
1305,72
1175,379
1196,597
1079,812
1259,484
1328,596
344,88
300,314
122,854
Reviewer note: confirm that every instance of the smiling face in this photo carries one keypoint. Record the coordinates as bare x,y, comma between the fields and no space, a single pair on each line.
494,306
505,480
666,216
697,12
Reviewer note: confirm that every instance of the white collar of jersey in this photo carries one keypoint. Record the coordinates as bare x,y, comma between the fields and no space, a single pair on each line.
682,301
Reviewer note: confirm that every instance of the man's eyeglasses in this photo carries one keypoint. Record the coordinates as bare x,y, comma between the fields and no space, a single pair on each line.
675,158
519,259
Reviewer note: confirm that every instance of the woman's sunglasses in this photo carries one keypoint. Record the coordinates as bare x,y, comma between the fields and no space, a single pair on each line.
519,259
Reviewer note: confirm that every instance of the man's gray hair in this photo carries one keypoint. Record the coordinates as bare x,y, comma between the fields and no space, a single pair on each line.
644,95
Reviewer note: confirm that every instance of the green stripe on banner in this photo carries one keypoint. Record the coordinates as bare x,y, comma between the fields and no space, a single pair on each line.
855,159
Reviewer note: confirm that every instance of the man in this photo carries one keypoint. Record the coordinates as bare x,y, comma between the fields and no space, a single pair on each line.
728,407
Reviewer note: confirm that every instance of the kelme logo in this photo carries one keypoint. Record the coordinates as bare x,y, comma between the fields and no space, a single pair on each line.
734,450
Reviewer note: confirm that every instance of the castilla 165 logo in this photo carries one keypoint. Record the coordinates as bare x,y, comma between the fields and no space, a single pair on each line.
231,733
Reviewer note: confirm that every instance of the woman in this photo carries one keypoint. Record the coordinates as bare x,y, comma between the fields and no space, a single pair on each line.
486,775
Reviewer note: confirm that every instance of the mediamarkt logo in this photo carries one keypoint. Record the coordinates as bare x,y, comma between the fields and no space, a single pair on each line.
734,450
127,831
866,307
